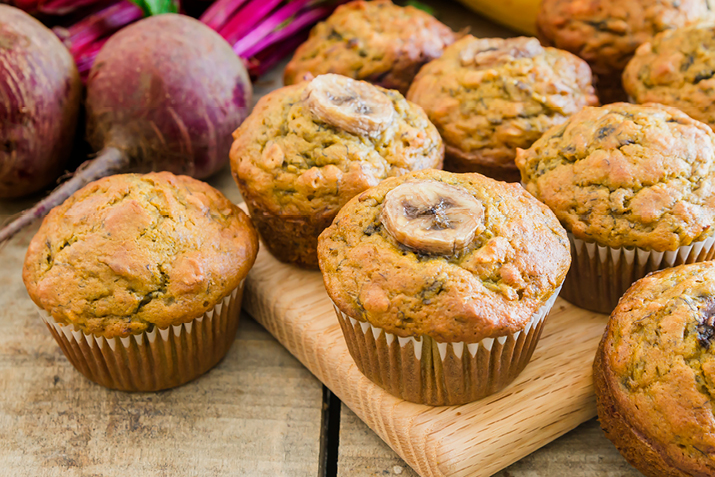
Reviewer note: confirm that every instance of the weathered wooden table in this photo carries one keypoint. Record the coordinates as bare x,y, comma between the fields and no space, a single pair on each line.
259,412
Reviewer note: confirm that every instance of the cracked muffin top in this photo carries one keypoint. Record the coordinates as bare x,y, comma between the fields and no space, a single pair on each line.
373,41
676,68
626,175
606,33
457,257
488,96
129,252
308,148
658,361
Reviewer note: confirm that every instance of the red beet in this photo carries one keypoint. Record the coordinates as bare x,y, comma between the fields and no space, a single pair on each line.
39,101
164,93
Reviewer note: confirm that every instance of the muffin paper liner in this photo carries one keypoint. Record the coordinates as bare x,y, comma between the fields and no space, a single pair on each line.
422,370
156,359
600,275
290,238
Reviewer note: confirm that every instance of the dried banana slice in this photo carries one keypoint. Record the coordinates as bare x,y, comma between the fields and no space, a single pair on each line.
432,217
488,51
353,106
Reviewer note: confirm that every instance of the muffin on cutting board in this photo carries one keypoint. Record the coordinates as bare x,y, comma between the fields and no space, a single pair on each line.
654,373
490,96
309,148
375,41
676,68
139,278
634,185
442,282
606,33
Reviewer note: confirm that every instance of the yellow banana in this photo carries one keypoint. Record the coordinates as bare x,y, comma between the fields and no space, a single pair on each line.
519,15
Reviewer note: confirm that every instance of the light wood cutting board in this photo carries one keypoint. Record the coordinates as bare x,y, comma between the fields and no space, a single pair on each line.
553,395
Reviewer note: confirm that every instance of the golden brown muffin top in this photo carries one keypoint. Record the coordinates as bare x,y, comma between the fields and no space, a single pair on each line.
488,96
308,148
676,68
374,41
626,175
129,252
659,363
457,257
606,33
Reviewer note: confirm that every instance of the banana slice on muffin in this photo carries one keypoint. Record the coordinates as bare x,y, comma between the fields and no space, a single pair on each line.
432,217
350,105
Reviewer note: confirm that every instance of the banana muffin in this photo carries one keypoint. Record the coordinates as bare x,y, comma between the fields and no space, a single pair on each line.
441,282
606,33
139,278
676,68
635,187
654,373
488,96
373,41
309,148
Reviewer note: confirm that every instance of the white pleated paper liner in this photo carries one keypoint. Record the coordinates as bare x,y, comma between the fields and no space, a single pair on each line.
422,370
156,359
599,276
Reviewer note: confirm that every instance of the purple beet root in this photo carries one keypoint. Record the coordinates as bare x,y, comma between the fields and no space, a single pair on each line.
164,93
40,95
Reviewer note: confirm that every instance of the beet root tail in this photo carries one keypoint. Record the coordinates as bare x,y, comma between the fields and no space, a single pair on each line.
109,161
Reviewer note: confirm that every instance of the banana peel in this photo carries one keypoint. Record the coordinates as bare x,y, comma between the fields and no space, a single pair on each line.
519,15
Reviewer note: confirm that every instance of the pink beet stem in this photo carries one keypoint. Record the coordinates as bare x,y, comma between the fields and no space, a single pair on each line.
103,23
109,161
63,7
85,59
269,57
268,25
302,20
219,13
246,19
26,5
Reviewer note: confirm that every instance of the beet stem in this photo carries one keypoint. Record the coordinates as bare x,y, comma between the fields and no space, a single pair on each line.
219,13
63,7
269,25
247,19
301,20
107,21
109,161
271,56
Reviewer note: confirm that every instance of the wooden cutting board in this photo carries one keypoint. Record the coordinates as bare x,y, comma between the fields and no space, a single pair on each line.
553,395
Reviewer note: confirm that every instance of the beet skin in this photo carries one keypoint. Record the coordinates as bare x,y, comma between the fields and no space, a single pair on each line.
169,91
39,101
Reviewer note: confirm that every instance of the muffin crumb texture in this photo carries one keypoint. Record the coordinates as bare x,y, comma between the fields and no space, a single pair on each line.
656,368
130,252
488,96
676,68
457,267
374,41
626,175
606,33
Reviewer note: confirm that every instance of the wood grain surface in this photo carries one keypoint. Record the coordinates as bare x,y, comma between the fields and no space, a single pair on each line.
553,395
583,452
